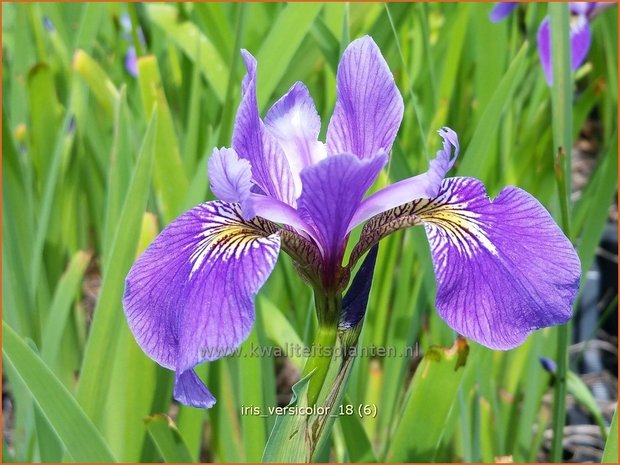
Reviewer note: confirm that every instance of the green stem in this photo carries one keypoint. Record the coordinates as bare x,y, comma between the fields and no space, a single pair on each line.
561,97
328,312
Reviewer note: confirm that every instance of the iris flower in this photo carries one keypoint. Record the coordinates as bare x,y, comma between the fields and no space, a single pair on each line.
503,267
582,14
131,58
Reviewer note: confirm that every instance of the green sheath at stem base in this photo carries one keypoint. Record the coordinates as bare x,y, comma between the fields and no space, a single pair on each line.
328,312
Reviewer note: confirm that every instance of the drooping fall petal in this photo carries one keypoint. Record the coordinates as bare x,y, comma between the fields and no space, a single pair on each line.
190,297
503,266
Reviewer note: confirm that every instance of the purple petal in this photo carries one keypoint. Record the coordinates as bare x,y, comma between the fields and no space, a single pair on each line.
190,390
425,185
501,10
230,177
295,123
369,107
189,297
278,212
580,38
548,364
580,8
131,62
503,267
251,140
594,8
332,192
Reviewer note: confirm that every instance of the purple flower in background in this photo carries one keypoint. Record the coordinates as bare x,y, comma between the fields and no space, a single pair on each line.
503,267
131,62
48,24
582,14
131,57
501,10
548,364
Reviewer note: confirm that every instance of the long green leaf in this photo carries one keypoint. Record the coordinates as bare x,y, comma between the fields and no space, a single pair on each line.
610,455
186,35
61,306
101,348
77,433
167,439
430,399
475,161
277,50
169,177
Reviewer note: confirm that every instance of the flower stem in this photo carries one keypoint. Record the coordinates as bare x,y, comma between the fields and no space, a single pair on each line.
328,311
561,99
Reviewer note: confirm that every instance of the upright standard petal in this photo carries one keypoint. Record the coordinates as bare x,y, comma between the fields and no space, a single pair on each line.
295,123
501,10
332,192
425,185
252,141
230,177
189,297
231,181
369,107
580,39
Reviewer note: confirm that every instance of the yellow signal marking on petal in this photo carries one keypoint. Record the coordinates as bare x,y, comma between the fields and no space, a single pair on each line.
464,229
224,237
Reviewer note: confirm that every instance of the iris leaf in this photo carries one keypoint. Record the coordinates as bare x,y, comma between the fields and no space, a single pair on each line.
167,439
278,48
77,433
169,176
186,36
611,446
431,397
96,369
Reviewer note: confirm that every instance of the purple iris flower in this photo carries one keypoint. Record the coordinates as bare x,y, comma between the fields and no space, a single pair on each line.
131,61
582,14
131,57
503,267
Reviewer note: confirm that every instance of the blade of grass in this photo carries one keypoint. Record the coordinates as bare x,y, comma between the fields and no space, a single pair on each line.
77,433
58,315
167,439
170,180
282,41
100,349
130,397
431,396
99,82
61,148
561,99
610,454
475,161
185,34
